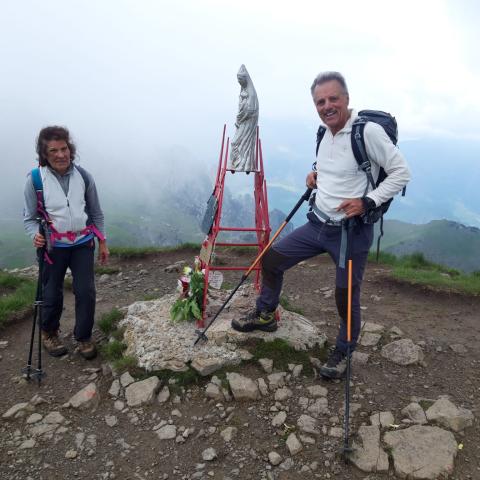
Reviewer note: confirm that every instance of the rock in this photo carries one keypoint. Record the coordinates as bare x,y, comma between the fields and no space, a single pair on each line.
242,388
27,444
369,339
395,332
370,327
335,432
206,365
143,392
215,392
297,370
88,397
403,352
279,419
175,267
415,413
163,395
319,407
445,413
422,452
276,380
167,432
71,454
382,419
115,389
283,394
287,464
459,348
17,409
118,405
274,458
228,433
104,278
367,453
245,355
262,386
111,420
41,429
54,417
360,358
34,418
317,391
209,454
267,364
126,379
308,424
293,444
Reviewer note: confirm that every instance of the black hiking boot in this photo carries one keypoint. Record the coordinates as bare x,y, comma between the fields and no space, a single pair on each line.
335,366
256,320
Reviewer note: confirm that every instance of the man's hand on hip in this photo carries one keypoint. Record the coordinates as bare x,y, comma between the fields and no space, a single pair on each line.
38,240
352,207
311,180
103,252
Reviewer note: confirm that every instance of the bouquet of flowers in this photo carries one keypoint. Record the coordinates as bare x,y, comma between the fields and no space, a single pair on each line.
190,285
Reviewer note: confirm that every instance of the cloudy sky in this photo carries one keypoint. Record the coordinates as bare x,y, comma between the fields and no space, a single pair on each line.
135,78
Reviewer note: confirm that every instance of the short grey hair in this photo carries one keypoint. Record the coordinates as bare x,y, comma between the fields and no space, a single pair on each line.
325,77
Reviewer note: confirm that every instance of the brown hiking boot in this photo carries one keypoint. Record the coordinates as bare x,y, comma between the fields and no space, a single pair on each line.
87,349
53,345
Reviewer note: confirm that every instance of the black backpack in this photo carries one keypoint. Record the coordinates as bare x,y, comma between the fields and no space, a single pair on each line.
389,124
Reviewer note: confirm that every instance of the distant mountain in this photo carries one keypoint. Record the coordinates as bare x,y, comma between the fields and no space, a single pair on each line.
441,241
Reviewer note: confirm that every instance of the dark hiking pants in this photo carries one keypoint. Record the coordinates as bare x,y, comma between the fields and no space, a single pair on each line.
314,238
80,260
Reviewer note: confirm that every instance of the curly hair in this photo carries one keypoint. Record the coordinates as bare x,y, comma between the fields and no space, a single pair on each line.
48,134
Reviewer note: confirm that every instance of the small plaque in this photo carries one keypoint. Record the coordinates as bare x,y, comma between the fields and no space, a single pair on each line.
215,279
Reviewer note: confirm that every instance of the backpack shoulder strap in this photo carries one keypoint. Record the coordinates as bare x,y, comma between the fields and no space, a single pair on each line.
37,180
359,149
84,175
320,134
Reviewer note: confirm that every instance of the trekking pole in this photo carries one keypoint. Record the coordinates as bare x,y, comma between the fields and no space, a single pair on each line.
38,373
346,447
303,198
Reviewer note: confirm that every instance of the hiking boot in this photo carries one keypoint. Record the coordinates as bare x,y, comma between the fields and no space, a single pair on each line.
52,344
335,366
256,320
87,349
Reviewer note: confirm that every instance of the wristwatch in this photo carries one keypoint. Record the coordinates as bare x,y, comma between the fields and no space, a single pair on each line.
368,204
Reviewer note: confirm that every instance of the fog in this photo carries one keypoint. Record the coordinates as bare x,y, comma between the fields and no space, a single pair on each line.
145,86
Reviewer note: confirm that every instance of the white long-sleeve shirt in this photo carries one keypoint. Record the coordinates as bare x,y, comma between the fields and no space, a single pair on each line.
339,177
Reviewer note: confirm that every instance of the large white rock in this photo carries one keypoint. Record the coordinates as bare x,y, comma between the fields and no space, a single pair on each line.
308,424
422,452
415,413
368,454
142,392
403,352
445,413
243,388
293,444
206,365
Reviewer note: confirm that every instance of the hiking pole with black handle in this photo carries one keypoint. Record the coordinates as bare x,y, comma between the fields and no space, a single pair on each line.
303,198
30,372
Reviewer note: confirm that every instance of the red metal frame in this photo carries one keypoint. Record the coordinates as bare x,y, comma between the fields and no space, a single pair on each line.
262,222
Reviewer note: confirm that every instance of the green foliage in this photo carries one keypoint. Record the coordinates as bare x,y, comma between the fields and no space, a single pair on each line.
285,303
150,296
190,307
142,252
282,354
125,363
113,350
19,294
181,379
101,270
108,321
416,269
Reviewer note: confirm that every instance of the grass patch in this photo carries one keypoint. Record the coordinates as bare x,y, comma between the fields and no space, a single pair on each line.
425,404
282,354
142,252
101,270
18,294
150,296
182,379
124,363
417,270
285,303
113,350
108,322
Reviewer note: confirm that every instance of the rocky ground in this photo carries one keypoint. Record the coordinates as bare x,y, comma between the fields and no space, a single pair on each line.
259,420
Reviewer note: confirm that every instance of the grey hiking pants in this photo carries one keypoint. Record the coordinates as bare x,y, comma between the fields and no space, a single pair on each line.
314,238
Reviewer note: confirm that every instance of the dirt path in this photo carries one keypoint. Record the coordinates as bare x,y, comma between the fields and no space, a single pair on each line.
131,450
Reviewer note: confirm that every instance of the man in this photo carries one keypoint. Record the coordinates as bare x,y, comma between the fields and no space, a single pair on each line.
343,193
72,211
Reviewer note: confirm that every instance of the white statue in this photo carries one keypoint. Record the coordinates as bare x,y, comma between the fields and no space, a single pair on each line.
242,155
